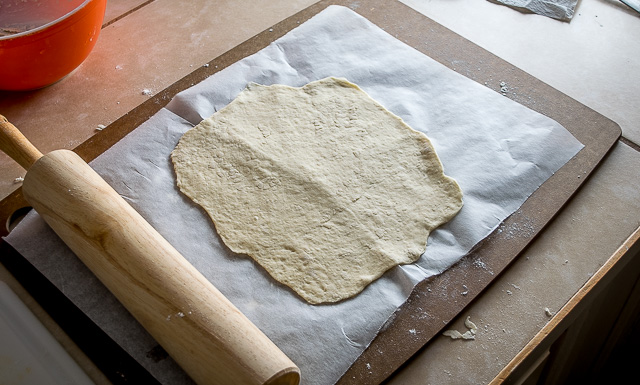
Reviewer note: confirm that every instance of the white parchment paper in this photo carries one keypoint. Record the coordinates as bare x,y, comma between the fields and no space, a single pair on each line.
497,150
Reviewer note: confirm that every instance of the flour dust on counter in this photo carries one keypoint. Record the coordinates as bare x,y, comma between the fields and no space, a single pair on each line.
321,185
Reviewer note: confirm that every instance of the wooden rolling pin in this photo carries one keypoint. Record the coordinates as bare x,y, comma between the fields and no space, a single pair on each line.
204,332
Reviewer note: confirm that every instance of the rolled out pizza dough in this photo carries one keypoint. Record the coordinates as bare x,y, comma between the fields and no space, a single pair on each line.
321,185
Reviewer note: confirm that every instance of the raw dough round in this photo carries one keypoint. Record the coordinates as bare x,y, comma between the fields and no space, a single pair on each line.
321,185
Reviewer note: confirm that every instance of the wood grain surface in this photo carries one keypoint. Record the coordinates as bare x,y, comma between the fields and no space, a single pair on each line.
204,332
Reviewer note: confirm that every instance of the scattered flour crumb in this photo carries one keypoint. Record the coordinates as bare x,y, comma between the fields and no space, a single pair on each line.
101,127
179,314
504,88
509,292
468,335
206,65
18,180
466,290
455,335
470,325
480,264
413,331
147,92
548,312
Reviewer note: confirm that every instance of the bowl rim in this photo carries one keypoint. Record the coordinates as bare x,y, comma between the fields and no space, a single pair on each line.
47,25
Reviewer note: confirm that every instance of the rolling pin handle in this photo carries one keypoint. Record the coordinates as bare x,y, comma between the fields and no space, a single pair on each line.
14,144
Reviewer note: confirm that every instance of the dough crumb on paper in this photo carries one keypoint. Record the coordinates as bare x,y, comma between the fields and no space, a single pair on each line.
320,184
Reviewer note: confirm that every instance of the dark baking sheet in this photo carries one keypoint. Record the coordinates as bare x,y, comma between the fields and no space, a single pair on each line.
597,133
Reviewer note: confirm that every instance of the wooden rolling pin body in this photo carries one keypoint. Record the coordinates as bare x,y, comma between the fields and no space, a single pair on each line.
206,334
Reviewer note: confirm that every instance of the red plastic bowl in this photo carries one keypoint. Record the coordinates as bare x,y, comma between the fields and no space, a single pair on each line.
62,35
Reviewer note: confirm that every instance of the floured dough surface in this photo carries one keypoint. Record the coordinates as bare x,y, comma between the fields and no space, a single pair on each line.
321,185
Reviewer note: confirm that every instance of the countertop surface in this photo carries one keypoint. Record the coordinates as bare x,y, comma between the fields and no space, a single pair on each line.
145,46
594,60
